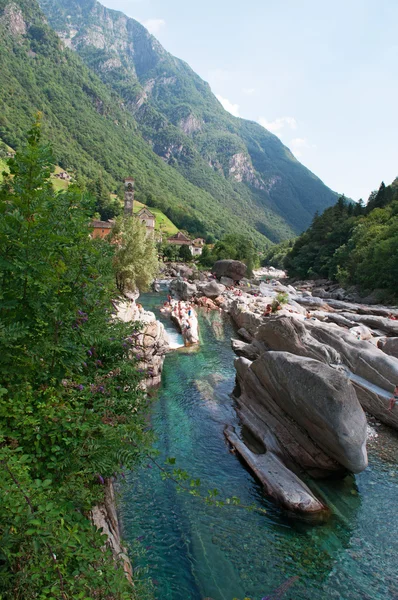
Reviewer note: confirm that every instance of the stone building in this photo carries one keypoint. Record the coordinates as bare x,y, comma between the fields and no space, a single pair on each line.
196,249
147,219
128,196
180,239
101,228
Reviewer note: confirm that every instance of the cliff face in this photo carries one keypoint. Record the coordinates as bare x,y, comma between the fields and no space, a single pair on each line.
185,124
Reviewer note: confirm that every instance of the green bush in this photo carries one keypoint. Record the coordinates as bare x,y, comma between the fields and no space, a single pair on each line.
71,411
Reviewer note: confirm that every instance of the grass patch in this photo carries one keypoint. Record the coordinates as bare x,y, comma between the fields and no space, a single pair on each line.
162,223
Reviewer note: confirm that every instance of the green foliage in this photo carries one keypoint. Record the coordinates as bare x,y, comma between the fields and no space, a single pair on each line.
185,254
71,411
275,255
353,244
135,261
313,253
169,252
207,258
281,299
236,247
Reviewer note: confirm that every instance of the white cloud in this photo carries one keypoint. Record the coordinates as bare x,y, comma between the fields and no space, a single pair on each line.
229,106
278,124
248,91
154,25
297,145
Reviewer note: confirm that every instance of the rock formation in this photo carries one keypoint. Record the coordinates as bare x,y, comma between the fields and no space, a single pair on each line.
150,340
104,517
234,269
304,411
279,482
184,317
183,289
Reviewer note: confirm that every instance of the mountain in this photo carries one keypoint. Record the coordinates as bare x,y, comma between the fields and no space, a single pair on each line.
184,122
121,105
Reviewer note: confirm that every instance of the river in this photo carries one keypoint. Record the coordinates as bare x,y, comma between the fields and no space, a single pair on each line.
195,551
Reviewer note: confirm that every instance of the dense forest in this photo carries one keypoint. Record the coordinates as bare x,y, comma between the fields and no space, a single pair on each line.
350,243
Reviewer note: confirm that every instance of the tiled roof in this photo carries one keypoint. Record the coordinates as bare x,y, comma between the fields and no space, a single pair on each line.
145,210
101,224
180,236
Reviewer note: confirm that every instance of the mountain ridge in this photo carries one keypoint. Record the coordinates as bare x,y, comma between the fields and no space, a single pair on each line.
177,112
103,122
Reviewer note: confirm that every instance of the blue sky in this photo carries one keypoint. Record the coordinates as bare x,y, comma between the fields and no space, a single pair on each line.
320,75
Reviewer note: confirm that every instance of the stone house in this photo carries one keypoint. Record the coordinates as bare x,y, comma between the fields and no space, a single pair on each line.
148,219
101,228
180,239
195,249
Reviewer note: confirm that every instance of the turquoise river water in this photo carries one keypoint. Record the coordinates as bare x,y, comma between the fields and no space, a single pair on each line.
196,551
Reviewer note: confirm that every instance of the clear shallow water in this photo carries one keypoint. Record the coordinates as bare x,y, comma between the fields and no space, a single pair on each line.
195,551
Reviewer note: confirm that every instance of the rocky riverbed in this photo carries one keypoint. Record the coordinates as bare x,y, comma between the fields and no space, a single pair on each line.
309,369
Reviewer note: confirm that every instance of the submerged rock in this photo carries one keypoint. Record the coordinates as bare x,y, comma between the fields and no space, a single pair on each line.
279,482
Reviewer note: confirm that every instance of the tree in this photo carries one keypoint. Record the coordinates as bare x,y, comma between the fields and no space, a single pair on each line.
3,150
237,247
207,259
185,253
66,419
135,260
170,252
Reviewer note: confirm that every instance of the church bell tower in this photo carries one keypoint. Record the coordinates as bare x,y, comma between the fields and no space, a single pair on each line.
128,196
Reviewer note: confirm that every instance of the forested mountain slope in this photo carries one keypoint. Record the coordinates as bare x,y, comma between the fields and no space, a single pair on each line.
353,243
185,124
190,159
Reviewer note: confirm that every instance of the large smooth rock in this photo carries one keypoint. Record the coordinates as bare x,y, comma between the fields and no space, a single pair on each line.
361,357
310,410
389,346
373,372
290,335
240,348
183,289
211,290
227,281
184,316
234,269
243,316
182,269
279,482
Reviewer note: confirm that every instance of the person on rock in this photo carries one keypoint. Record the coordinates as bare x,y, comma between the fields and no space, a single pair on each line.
393,399
268,310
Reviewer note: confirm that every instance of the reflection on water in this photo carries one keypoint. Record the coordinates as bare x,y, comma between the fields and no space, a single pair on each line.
197,551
